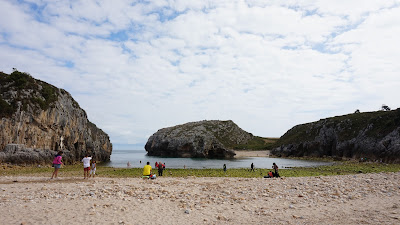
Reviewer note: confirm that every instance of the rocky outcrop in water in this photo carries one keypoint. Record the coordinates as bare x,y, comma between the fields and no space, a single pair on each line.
204,139
373,135
38,120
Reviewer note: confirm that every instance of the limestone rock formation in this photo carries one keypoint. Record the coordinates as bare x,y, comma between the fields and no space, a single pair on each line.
372,135
38,119
204,139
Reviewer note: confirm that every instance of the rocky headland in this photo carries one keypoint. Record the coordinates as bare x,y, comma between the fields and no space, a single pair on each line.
371,136
203,139
38,119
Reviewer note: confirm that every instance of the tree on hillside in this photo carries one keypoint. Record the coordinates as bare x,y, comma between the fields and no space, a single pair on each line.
385,108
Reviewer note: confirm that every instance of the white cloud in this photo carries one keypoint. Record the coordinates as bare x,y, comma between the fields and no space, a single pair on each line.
267,65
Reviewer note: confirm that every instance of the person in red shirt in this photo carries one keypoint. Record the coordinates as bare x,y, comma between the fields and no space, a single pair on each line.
160,168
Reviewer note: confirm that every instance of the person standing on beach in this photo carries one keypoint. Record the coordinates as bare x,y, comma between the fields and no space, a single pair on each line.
57,164
275,167
147,169
252,167
93,169
224,167
86,166
160,169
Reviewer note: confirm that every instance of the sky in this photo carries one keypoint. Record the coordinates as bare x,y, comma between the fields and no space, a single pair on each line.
139,66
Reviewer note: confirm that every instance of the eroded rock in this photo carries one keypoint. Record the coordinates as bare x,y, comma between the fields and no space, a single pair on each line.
203,139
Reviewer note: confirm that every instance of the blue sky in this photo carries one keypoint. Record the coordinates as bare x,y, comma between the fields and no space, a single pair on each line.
139,66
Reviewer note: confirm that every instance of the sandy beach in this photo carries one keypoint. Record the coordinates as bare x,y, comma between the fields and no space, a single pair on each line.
347,199
244,153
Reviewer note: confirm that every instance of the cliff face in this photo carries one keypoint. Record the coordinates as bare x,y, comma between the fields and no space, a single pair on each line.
373,135
204,139
39,117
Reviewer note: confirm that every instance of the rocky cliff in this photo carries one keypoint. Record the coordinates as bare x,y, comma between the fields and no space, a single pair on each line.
372,135
38,119
204,139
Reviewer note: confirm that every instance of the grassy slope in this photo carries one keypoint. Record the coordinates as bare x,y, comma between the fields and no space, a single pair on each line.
258,143
77,171
349,126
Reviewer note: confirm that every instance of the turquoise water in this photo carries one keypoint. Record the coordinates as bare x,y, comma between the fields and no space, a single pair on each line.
138,158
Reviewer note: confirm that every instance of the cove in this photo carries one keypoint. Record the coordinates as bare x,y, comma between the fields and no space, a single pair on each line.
138,158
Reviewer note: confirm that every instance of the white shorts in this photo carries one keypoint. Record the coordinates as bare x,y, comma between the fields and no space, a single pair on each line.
93,171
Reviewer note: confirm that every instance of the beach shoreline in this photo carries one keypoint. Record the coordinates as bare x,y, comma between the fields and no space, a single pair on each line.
345,199
252,153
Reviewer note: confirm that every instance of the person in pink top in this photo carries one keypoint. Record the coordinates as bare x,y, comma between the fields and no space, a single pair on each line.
57,164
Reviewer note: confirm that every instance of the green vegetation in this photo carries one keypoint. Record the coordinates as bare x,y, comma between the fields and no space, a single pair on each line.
342,168
23,83
21,80
49,94
5,108
380,124
227,133
257,143
228,139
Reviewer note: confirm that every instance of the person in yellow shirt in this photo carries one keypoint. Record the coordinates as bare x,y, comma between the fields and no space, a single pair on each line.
147,169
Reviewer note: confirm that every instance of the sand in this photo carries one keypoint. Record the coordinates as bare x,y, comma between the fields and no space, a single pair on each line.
346,199
246,153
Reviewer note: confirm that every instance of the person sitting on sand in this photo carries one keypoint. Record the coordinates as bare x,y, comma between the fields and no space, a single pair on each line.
269,175
147,169
57,164
275,167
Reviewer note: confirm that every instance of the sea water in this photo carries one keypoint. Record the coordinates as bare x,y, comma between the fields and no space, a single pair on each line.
138,158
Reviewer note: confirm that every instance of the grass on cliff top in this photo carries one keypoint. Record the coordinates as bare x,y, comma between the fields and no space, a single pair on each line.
19,81
257,143
342,168
378,125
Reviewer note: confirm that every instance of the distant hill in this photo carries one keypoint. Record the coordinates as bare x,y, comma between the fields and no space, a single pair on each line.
208,138
38,119
371,135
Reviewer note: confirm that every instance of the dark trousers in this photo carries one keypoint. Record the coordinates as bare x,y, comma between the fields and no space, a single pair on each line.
160,172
